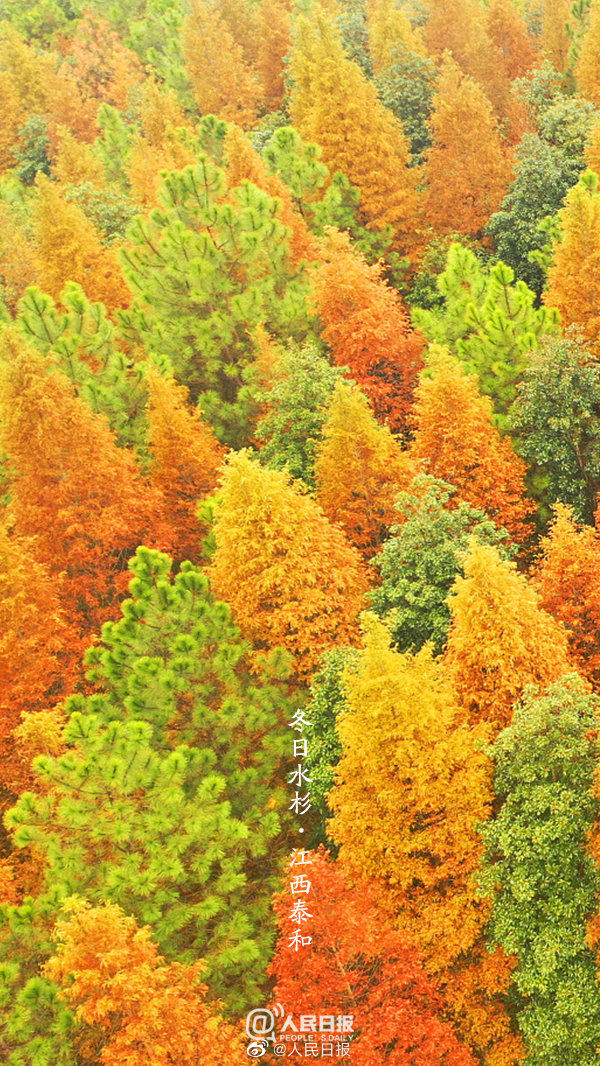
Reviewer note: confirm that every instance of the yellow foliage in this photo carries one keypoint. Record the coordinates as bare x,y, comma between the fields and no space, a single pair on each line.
411,788
500,639
389,26
334,104
360,469
574,276
291,578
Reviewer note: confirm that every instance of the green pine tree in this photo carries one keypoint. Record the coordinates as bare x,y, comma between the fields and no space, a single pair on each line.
207,269
543,881
169,798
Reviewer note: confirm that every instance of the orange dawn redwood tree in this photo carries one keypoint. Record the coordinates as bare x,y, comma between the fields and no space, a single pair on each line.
500,638
555,40
185,460
419,844
359,470
359,964
291,578
574,275
36,652
365,324
334,104
103,67
224,83
567,577
69,249
71,488
588,64
458,441
131,1006
466,145
274,44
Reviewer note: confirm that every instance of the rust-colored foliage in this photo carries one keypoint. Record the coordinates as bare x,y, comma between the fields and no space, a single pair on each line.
456,437
567,577
292,578
68,248
367,328
103,67
131,1006
186,457
358,965
80,496
274,45
359,471
555,40
36,652
466,145
500,639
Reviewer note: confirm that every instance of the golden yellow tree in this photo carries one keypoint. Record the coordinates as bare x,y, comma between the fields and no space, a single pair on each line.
69,249
587,70
468,146
419,843
291,578
157,146
359,470
555,40
574,274
334,104
224,84
500,639
389,26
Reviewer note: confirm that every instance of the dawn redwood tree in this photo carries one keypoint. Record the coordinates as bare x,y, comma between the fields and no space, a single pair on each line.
80,496
456,439
366,325
500,638
420,844
132,1006
359,964
185,461
359,470
291,577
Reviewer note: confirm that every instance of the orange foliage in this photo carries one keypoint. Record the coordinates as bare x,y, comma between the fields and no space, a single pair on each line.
367,328
458,27
359,471
568,579
245,164
508,32
104,68
291,578
131,1006
500,639
36,651
456,437
588,63
72,489
555,40
335,104
69,249
466,145
186,457
412,787
274,44
224,84
358,964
